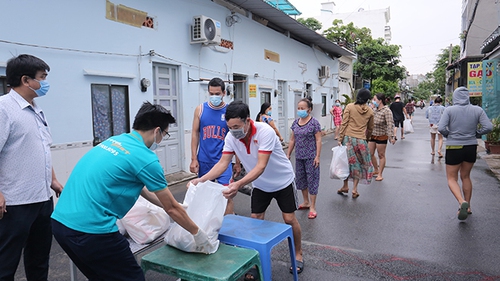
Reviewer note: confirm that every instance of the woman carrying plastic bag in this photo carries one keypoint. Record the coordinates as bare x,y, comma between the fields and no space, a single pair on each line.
339,168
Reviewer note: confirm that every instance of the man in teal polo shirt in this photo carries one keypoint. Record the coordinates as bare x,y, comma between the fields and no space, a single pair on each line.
102,188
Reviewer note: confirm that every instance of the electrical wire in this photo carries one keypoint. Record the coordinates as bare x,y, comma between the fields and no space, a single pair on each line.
71,50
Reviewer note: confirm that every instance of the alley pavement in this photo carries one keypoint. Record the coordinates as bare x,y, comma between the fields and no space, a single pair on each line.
402,228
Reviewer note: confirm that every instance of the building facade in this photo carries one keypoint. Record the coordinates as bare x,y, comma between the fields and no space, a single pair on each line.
108,57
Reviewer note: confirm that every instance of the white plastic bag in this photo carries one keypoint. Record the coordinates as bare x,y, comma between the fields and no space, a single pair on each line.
145,221
339,168
408,127
205,206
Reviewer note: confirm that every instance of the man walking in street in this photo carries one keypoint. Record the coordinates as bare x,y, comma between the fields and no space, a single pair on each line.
208,133
26,172
398,113
267,166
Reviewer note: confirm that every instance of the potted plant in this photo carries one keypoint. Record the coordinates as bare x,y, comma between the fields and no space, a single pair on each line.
492,143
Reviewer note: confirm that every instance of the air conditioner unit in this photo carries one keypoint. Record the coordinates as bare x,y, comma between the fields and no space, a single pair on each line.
324,71
205,30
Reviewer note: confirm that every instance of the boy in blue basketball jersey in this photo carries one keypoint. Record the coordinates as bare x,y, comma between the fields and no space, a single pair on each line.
208,133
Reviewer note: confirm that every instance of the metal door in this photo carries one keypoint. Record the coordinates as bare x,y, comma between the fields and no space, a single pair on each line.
166,94
282,121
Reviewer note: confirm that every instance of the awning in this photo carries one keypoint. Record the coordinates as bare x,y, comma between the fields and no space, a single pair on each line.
284,6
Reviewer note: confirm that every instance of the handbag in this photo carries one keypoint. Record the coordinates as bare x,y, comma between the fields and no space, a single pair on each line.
339,167
205,206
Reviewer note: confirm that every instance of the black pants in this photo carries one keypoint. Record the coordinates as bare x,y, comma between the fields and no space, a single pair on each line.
99,257
26,226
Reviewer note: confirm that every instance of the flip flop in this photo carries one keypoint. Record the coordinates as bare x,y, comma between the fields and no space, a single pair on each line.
300,267
301,207
312,215
440,155
462,212
252,275
379,178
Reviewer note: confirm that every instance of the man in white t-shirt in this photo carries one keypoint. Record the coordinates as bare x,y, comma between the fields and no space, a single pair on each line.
269,170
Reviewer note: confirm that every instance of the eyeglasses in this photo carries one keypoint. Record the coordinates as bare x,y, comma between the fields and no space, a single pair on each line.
166,135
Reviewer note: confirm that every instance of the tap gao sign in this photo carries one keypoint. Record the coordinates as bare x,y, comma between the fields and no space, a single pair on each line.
475,78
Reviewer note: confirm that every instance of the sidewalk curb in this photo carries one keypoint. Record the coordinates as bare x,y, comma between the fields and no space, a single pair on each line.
493,160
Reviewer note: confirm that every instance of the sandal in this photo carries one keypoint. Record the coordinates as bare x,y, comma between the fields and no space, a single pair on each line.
252,275
355,194
462,212
300,267
312,215
341,192
440,155
302,207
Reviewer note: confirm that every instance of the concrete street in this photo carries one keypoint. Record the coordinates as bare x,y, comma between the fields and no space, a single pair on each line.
402,228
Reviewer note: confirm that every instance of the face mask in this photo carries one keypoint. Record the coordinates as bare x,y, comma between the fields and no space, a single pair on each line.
44,88
154,146
337,104
269,112
238,133
215,100
375,103
302,113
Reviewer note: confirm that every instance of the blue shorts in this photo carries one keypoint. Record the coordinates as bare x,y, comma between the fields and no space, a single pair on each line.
205,167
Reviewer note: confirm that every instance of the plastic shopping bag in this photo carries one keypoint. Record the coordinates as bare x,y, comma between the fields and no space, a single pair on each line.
205,206
339,168
408,127
145,221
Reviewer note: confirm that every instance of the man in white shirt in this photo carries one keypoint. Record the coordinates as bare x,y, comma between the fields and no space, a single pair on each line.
269,170
26,172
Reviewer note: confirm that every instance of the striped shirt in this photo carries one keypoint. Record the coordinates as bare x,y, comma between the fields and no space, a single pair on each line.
383,122
25,157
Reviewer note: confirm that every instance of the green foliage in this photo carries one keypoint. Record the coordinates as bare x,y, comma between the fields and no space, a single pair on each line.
347,100
311,23
348,34
494,135
388,88
377,59
436,80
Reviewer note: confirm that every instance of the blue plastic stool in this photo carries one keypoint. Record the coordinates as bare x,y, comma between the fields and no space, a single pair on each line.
260,235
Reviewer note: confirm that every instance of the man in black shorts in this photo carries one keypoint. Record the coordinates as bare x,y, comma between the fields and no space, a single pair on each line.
398,114
268,169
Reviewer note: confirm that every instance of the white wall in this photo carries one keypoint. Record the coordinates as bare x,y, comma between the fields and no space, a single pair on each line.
79,38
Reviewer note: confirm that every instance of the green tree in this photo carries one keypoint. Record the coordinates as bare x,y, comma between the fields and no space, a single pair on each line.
311,23
347,34
389,88
379,60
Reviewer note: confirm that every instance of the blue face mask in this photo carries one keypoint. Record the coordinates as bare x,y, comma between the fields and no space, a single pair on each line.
215,100
154,146
269,112
302,113
44,88
337,104
375,103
